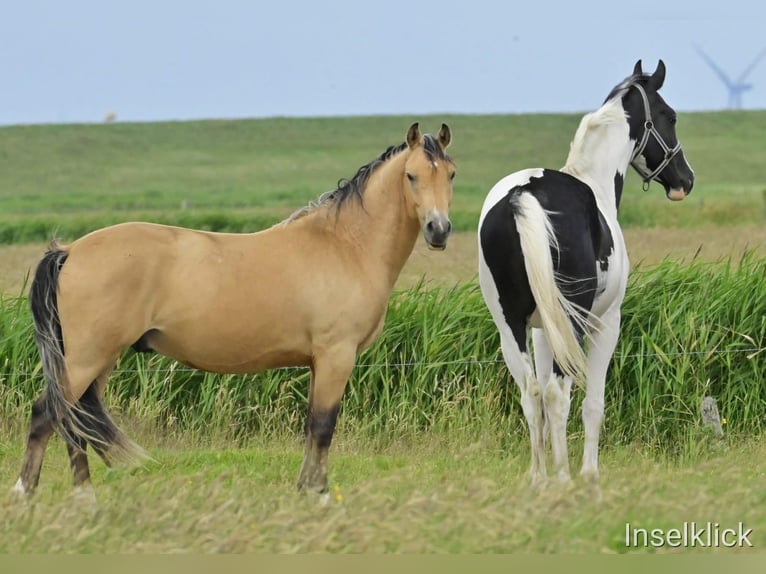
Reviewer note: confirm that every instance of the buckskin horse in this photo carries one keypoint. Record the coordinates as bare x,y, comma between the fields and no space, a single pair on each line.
310,291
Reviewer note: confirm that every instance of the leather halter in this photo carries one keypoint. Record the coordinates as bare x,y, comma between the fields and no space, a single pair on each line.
650,130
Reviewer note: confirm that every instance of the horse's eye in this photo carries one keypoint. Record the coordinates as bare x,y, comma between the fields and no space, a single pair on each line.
673,120
411,177
452,175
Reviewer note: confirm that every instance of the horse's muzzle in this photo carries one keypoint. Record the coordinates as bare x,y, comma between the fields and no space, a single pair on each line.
436,231
683,187
676,194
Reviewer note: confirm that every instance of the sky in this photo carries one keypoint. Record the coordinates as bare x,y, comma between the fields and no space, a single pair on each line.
148,60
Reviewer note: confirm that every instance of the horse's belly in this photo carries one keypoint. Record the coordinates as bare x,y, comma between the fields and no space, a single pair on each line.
222,354
256,365
610,289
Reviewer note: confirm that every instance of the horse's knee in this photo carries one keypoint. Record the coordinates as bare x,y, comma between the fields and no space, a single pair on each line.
556,397
593,411
551,394
321,426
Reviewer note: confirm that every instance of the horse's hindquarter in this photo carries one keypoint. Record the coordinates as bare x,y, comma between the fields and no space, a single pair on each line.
109,285
591,250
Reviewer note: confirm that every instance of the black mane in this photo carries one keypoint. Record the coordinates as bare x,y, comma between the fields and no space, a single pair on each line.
354,187
625,84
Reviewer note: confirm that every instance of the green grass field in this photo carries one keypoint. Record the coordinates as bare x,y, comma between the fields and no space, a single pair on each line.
246,174
431,452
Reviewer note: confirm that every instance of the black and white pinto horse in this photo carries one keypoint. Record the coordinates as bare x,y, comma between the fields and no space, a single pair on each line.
552,257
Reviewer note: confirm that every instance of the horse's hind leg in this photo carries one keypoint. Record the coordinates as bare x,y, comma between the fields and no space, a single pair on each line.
600,350
78,460
329,374
40,431
90,405
557,389
520,365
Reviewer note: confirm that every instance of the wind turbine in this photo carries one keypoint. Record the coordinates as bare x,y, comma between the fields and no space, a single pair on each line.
735,87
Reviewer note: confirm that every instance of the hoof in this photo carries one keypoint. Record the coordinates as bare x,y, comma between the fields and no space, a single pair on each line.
592,486
18,490
563,477
590,476
334,496
85,494
538,481
306,487
18,494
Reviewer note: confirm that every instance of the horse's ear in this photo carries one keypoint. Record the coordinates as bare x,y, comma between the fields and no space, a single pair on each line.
413,135
445,136
637,71
658,77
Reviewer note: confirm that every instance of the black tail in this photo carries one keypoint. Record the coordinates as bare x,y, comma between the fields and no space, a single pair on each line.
86,418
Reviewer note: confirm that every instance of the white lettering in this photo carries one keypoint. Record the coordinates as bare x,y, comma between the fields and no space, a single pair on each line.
691,535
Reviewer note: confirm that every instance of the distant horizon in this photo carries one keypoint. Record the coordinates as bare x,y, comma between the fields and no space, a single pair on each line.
339,117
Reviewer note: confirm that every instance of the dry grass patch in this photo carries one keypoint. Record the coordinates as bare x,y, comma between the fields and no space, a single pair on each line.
459,262
421,497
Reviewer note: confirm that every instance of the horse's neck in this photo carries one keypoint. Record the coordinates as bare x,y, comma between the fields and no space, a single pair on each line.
597,157
382,226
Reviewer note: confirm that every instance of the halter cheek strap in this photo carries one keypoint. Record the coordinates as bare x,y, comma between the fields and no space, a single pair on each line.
650,130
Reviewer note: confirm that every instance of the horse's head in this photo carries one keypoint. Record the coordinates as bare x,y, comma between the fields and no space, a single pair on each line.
658,154
428,175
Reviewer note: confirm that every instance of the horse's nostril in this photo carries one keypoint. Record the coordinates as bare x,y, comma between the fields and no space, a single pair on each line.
448,227
430,226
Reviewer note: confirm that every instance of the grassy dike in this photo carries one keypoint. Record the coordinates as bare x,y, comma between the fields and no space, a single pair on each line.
243,175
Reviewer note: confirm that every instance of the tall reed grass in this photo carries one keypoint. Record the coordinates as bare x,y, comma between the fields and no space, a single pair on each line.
689,330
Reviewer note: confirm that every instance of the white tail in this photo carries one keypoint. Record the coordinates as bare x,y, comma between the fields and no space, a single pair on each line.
557,313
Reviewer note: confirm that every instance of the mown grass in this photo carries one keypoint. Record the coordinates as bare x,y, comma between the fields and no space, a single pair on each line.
441,494
242,175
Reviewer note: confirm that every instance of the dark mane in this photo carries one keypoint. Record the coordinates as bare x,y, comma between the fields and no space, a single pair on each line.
625,84
354,187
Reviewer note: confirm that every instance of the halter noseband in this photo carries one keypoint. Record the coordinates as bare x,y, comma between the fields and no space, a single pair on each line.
650,130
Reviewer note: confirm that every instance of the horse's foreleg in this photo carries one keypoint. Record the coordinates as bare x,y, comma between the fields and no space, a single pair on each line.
600,350
329,374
